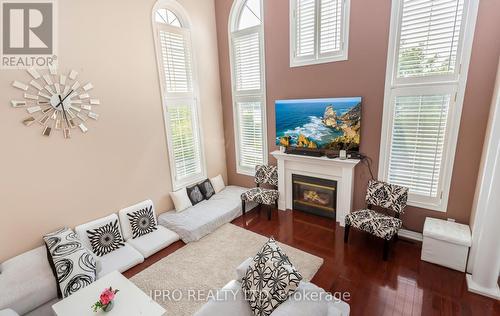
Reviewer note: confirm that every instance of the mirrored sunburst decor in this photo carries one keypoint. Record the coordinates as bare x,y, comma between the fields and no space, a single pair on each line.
56,101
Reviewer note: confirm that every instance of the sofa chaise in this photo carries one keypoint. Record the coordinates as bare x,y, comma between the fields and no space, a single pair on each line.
205,217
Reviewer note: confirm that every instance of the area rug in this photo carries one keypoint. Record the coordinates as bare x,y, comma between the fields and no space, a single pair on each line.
203,266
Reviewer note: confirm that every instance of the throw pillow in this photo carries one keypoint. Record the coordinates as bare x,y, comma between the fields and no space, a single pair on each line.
270,280
181,200
73,265
194,194
142,222
207,189
217,183
106,238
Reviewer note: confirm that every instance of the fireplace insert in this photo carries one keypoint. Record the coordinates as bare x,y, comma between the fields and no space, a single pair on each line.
314,195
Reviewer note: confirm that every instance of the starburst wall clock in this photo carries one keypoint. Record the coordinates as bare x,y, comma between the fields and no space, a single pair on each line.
56,102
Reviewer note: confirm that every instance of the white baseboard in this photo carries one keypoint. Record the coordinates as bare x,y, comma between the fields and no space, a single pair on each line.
410,234
475,288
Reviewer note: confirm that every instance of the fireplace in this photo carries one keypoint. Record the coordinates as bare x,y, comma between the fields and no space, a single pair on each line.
314,195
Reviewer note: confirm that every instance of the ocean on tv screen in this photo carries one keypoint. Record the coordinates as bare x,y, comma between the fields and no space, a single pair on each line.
319,123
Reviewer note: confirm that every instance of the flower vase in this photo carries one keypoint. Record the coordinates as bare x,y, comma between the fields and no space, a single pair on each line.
108,307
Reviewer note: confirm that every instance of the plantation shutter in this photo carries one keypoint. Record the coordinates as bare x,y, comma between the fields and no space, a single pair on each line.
418,137
176,59
184,141
429,37
330,26
247,63
422,94
250,134
305,28
184,138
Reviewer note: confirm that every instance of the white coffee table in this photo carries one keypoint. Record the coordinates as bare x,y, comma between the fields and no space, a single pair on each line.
130,300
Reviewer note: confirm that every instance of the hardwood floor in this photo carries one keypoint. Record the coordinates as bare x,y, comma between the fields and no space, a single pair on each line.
403,285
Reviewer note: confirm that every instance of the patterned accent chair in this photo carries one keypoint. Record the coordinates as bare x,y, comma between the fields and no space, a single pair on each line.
263,175
384,195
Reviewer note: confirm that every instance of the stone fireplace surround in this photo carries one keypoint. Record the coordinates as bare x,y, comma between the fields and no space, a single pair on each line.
341,171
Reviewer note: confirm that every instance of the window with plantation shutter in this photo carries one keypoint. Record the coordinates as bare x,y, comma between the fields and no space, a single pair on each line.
175,63
318,31
426,74
248,84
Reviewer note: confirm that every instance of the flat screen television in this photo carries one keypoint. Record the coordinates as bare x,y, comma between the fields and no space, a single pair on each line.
332,123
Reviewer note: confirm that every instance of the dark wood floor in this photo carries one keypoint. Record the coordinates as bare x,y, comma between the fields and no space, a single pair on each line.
403,285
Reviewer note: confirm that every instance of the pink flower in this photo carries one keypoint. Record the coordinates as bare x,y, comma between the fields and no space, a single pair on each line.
107,296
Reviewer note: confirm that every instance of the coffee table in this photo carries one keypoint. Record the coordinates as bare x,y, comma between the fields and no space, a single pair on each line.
130,300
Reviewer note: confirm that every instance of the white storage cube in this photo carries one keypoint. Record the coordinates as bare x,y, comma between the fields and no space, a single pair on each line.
446,243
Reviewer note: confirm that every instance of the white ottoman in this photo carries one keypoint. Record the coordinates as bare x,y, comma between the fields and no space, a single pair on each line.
446,243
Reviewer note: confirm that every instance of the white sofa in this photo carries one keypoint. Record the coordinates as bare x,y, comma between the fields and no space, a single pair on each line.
27,284
120,259
205,217
230,301
151,243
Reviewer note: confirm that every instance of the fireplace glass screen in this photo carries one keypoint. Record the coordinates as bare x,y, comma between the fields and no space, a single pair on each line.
314,195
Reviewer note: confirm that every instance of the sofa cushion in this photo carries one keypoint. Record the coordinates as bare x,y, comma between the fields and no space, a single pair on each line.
229,301
106,238
74,267
217,183
27,282
142,222
153,242
270,280
125,223
121,260
194,194
207,189
81,230
181,200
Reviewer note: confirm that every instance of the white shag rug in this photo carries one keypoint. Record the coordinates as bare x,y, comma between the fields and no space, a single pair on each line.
207,265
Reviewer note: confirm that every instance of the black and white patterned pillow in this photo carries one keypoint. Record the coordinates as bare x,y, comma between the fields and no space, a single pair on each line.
142,222
270,280
206,189
105,239
194,194
73,265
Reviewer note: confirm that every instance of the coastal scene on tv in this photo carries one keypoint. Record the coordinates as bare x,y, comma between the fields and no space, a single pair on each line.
319,123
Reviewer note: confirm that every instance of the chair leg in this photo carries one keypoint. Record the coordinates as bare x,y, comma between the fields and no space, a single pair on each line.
346,233
386,249
243,207
269,212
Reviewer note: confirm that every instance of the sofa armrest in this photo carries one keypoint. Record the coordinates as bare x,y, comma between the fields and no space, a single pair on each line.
241,270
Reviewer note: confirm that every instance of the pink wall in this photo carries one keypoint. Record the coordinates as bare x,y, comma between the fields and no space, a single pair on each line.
363,75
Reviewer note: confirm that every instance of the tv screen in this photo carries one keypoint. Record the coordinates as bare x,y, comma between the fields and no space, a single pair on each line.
319,123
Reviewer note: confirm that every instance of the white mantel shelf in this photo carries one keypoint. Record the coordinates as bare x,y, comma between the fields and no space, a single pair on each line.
335,169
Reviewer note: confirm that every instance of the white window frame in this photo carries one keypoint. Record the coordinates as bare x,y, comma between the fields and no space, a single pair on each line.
188,98
249,95
455,84
318,58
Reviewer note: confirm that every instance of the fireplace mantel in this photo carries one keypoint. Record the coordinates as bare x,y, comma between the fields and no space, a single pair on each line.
341,171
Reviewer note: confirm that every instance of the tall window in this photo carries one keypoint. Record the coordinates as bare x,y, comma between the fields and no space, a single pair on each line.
175,61
319,31
248,82
429,52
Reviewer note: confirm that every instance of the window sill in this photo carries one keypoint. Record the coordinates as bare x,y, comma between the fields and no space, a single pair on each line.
310,62
441,207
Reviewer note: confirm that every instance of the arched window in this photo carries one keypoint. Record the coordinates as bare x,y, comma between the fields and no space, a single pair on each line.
246,33
177,77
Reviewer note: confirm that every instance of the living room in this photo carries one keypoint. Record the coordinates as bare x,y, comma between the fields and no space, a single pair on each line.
157,147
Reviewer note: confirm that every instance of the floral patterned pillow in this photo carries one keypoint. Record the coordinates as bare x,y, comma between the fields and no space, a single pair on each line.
270,280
